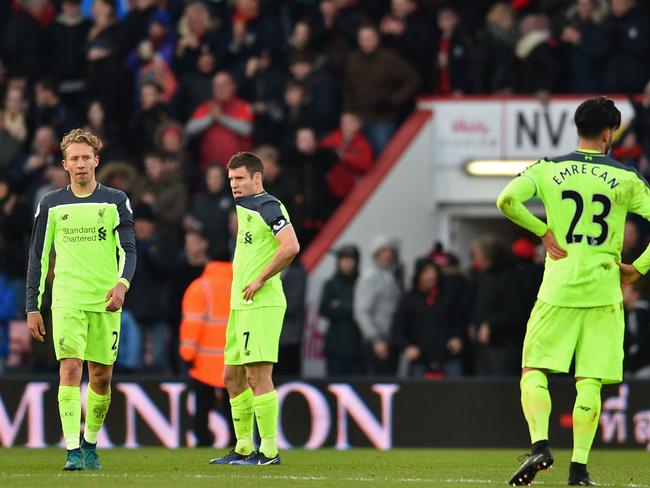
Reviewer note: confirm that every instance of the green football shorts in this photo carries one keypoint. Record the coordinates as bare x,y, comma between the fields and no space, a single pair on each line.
594,335
253,335
90,336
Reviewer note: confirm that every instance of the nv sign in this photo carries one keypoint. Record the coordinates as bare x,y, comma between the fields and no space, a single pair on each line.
504,128
533,130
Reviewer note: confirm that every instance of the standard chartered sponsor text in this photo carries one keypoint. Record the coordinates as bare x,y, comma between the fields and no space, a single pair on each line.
79,234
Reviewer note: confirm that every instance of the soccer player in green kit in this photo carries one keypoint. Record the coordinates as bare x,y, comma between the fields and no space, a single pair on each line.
579,310
90,227
266,244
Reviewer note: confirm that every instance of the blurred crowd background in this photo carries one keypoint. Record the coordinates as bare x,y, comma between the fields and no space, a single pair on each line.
317,88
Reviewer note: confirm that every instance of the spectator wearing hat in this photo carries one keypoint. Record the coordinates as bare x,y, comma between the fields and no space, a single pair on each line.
343,338
145,299
376,296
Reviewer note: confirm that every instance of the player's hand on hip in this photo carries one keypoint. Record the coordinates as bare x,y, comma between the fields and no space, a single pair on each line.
552,247
115,297
629,274
36,326
252,288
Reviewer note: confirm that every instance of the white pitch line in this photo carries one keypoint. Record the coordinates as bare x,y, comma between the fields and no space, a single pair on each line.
231,475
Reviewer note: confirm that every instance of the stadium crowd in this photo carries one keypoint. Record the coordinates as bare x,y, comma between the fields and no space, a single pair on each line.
317,88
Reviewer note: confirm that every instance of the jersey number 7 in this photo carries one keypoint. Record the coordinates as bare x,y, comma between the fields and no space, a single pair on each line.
597,218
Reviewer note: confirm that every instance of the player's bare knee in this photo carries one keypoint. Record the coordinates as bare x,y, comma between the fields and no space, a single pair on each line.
70,371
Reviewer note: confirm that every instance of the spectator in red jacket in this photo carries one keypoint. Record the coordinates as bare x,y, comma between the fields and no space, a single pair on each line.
224,123
354,155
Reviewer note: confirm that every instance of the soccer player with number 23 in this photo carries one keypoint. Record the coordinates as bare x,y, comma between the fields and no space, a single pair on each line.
579,308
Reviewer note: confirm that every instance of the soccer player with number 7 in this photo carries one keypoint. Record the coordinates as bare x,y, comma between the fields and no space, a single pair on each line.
266,244
90,228
579,309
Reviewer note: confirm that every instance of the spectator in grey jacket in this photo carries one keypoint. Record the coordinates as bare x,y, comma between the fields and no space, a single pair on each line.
377,295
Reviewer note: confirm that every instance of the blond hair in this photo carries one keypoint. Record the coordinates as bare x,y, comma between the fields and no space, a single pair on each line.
81,136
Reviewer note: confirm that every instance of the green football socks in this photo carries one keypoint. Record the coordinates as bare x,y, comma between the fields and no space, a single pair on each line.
241,407
96,408
586,414
70,412
536,403
266,413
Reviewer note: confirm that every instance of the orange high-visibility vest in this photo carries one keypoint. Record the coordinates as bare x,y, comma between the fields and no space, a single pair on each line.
206,307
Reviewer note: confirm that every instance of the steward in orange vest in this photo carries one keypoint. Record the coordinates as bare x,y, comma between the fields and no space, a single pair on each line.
206,306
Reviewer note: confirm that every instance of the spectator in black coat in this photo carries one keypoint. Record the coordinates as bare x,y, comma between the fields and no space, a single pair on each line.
210,210
539,69
29,171
281,184
67,62
310,163
343,338
454,54
188,266
262,82
499,321
321,92
24,39
195,86
50,110
586,43
105,51
427,327
294,283
15,226
145,298
627,69
637,330
145,122
197,34
495,56
408,31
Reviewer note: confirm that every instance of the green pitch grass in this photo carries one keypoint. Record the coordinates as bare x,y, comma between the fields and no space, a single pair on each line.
189,468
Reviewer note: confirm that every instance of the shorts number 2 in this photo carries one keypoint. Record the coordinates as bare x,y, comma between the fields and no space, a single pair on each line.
115,341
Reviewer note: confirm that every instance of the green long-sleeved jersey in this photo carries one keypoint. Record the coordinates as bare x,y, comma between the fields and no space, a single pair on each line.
94,242
587,196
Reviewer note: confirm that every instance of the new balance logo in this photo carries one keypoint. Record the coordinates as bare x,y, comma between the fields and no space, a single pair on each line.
248,238
64,217
101,232
583,408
